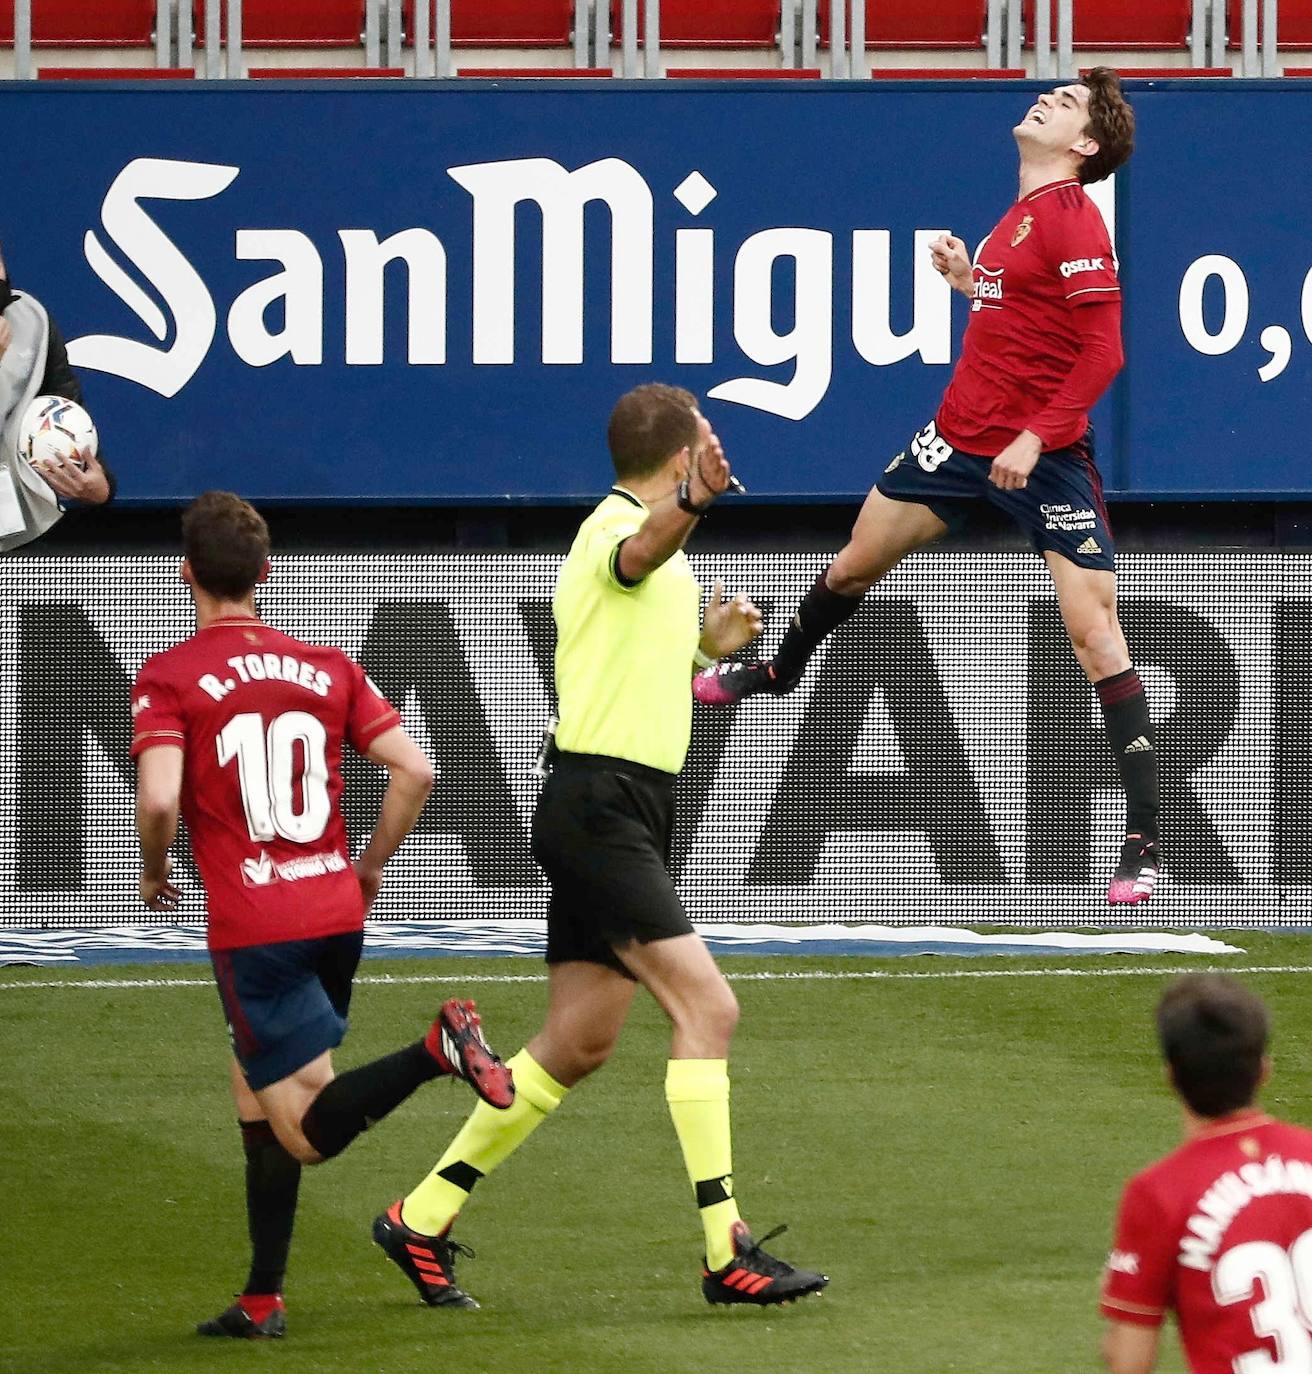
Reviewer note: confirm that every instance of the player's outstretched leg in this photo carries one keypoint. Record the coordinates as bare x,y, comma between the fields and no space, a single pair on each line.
821,612
354,1100
887,529
455,1040
753,1276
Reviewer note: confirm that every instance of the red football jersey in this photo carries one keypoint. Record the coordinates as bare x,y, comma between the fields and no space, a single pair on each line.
1049,254
261,718
1221,1232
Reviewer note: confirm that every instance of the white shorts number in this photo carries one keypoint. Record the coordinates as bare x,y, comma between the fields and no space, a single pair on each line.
930,448
1285,1314
269,772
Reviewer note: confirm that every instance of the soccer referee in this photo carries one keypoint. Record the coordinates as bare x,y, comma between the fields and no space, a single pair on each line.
626,608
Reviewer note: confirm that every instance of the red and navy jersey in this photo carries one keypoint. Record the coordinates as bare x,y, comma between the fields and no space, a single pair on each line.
1049,254
1220,1232
261,719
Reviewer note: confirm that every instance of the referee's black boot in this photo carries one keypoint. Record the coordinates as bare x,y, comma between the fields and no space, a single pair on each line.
754,1277
429,1262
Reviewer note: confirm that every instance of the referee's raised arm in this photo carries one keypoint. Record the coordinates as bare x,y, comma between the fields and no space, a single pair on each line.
702,473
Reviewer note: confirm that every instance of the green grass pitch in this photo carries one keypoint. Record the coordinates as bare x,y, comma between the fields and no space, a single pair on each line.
949,1150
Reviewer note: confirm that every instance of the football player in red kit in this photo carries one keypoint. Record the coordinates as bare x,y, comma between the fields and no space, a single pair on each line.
1042,345
1220,1232
241,729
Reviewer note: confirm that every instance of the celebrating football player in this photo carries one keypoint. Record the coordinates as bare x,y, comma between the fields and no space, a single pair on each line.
1043,343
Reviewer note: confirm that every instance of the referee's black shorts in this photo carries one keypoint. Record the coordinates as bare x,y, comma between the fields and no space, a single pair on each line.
602,834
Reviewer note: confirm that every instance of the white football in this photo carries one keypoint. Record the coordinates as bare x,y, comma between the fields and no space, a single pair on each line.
57,431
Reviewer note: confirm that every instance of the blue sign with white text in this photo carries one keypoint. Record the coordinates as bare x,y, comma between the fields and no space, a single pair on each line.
435,291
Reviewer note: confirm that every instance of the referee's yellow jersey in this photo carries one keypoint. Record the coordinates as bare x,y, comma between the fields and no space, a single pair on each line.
624,654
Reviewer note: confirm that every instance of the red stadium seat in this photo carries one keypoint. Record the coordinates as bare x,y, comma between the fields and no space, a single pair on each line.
914,24
538,72
1122,23
74,23
744,73
501,23
116,74
946,73
1293,27
708,23
319,73
292,23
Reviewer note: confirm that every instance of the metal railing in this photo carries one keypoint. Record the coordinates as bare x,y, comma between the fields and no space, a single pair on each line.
175,43
1054,53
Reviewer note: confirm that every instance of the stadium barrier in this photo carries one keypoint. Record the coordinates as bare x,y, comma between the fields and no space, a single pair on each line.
943,762
449,322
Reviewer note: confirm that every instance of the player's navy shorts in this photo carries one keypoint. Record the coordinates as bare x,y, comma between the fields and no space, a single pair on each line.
1061,509
286,1003
602,833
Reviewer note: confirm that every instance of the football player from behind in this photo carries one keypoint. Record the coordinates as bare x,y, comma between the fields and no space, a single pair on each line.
1220,1232
240,729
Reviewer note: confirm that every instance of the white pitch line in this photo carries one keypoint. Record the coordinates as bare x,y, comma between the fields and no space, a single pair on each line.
798,976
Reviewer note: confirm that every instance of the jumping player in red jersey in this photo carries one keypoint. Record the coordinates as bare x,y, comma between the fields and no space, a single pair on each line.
1043,343
1220,1232
241,729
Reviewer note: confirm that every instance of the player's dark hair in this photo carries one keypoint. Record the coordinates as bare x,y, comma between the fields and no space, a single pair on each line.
1213,1033
1111,125
226,542
648,425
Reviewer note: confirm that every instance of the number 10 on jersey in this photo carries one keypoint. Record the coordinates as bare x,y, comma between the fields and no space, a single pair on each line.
276,764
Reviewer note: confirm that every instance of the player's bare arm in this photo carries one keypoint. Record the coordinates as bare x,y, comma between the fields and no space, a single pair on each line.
705,472
409,781
1130,1349
159,791
950,259
727,625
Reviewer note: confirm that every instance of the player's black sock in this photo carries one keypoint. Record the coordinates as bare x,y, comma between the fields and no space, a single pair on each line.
821,611
273,1178
1133,740
354,1101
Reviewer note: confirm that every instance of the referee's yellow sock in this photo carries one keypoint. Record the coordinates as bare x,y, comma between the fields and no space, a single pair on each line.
487,1137
698,1093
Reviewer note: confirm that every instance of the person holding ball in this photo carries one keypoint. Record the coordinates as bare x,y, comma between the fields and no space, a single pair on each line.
34,362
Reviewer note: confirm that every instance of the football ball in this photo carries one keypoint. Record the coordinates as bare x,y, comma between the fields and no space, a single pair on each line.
56,430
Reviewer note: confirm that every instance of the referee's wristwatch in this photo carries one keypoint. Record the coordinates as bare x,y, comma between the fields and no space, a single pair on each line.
685,502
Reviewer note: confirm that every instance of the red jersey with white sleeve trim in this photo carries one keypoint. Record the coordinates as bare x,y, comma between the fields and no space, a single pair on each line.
1049,254
1221,1232
261,719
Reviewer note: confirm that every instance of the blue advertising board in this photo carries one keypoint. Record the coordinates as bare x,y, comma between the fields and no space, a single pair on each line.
433,292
